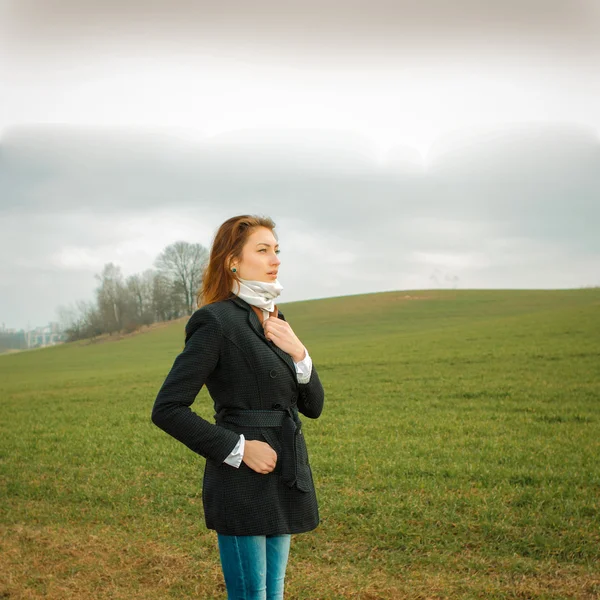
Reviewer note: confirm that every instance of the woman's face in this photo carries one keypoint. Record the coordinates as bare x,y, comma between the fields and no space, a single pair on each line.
259,261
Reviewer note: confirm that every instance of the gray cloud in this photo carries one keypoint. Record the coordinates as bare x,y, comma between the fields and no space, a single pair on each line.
514,207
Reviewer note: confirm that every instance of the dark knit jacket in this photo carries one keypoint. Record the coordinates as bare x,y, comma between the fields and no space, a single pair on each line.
226,350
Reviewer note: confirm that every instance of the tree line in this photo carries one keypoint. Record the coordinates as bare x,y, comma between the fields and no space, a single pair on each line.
124,304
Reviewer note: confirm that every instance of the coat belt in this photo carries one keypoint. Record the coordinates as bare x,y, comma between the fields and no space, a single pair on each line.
290,427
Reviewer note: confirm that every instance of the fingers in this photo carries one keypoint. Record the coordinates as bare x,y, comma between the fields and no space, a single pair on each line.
276,326
265,468
280,334
268,465
260,457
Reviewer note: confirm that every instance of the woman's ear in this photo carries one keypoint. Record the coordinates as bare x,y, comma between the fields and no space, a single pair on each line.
232,264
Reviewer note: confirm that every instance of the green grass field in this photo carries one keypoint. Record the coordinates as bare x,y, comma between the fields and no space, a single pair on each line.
457,457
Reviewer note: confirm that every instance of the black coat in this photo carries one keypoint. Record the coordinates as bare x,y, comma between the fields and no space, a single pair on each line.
225,348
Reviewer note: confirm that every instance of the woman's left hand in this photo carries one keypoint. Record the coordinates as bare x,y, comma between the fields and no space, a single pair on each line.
281,334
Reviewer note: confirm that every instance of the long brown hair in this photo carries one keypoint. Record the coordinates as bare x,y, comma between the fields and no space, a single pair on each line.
228,244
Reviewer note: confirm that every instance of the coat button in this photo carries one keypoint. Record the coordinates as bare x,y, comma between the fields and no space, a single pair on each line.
276,406
273,373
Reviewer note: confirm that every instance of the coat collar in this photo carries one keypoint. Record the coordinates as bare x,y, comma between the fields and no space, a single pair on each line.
256,325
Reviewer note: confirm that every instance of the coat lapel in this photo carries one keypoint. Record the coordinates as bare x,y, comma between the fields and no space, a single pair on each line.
256,325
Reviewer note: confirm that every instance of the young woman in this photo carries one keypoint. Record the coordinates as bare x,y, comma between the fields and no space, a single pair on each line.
258,486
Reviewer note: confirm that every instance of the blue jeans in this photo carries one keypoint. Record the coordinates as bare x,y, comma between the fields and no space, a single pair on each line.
254,565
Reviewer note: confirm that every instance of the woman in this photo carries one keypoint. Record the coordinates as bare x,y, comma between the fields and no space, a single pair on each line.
257,487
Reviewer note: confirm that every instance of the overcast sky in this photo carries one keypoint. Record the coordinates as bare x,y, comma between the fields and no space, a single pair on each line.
396,146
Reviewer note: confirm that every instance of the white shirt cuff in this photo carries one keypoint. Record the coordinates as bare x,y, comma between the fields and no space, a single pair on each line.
235,458
304,368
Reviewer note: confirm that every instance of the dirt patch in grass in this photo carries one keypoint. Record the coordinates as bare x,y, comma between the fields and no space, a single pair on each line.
408,297
66,564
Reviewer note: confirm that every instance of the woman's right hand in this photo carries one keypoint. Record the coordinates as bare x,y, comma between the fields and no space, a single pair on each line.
259,456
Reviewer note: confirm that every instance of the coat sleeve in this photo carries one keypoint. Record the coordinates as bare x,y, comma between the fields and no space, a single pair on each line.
312,395
172,412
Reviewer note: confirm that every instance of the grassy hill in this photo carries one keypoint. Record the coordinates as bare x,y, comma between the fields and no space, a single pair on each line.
457,457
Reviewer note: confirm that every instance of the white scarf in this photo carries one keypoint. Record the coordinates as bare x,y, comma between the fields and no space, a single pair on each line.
258,293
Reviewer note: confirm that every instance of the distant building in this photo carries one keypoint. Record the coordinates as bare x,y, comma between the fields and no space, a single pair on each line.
3,329
40,337
50,335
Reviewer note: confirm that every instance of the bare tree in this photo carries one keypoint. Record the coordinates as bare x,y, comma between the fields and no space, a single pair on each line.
162,295
139,288
113,299
69,318
90,322
161,302
80,321
183,263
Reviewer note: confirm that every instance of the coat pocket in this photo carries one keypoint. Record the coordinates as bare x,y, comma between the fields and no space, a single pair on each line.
303,475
